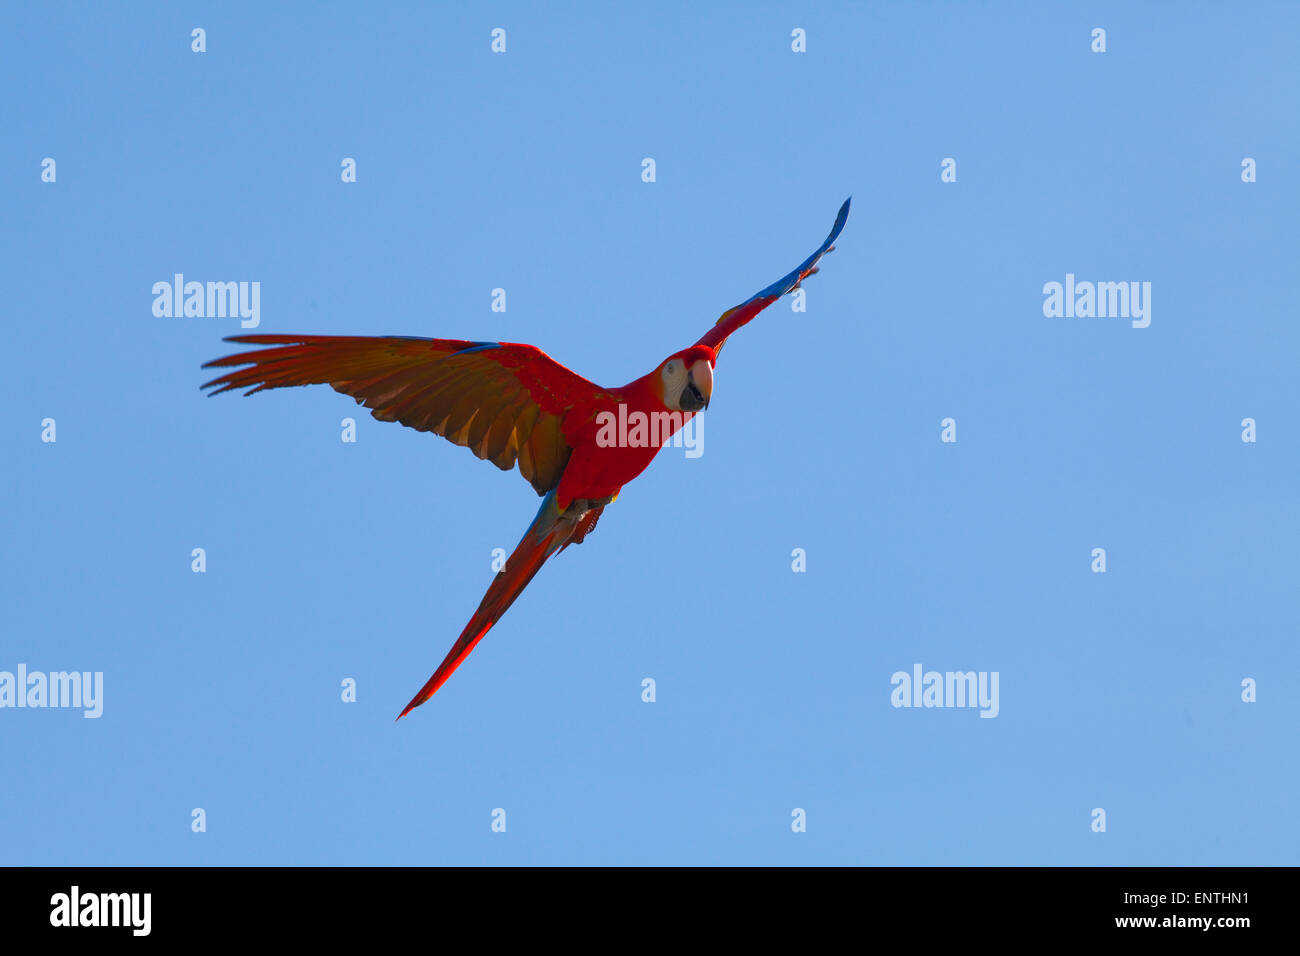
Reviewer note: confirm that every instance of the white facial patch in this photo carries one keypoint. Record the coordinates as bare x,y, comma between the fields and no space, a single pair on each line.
674,378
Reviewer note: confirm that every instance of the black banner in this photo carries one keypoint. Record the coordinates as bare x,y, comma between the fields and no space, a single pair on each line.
174,904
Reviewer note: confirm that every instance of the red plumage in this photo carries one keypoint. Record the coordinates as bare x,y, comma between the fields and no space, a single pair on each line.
515,406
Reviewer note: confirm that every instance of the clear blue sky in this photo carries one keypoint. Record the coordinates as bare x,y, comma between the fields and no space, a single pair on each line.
476,170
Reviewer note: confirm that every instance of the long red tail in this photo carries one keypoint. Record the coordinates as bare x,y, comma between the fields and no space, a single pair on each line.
549,533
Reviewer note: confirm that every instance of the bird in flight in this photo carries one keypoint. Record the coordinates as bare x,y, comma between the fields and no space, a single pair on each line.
515,406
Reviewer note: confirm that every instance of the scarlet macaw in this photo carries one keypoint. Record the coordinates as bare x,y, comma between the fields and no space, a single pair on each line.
511,404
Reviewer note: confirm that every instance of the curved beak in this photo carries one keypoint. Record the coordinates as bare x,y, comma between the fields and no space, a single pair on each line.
699,388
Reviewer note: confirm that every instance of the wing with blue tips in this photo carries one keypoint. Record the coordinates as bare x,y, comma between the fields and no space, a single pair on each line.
734,318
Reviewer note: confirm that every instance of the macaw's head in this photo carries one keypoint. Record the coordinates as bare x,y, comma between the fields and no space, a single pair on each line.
687,379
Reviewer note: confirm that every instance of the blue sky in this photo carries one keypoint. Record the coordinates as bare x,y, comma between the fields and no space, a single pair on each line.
326,560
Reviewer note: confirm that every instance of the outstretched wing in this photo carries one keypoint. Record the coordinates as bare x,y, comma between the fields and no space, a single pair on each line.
504,401
733,319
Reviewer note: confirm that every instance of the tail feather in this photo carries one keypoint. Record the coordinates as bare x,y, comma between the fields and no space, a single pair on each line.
550,532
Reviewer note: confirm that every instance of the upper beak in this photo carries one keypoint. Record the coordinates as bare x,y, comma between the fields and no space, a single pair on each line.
700,381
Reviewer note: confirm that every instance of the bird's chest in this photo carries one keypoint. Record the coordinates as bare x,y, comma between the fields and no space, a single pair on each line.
616,445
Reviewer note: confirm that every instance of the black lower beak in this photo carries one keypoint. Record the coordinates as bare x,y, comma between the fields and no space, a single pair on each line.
692,399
